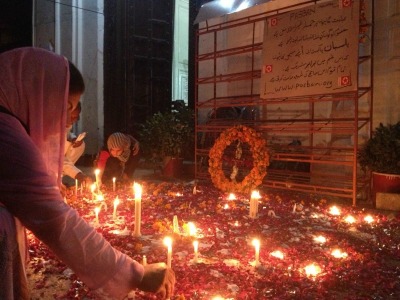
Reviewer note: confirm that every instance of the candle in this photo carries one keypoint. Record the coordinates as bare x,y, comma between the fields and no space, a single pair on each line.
256,244
92,189
320,239
144,261
369,219
277,254
350,219
334,211
114,184
138,208
255,195
196,251
175,224
231,196
96,211
116,202
312,270
192,229
76,187
168,243
337,253
97,173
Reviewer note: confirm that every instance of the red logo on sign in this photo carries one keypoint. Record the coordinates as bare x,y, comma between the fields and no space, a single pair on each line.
267,69
344,80
273,22
346,3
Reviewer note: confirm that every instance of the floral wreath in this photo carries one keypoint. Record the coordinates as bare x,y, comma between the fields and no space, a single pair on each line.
260,156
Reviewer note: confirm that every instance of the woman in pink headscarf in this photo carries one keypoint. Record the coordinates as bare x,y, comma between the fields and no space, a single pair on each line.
38,91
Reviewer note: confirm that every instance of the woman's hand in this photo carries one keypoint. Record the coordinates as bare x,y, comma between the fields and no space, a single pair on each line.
158,278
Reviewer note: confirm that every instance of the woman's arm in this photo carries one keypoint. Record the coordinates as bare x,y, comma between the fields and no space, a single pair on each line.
31,194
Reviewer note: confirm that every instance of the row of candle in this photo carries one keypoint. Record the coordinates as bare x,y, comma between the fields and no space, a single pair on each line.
310,270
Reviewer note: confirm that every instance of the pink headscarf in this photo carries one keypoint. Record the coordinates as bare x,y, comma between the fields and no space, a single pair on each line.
34,87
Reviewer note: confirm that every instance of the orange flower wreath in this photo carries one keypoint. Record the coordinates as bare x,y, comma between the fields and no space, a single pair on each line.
260,156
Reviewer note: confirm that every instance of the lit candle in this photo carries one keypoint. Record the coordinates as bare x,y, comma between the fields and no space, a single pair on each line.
369,219
350,219
114,184
312,270
168,243
231,196
76,187
334,211
138,208
320,239
144,261
96,211
277,254
256,244
337,253
192,229
97,173
175,224
116,202
92,189
196,251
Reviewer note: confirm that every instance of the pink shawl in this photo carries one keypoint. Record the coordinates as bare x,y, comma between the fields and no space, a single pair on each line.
34,88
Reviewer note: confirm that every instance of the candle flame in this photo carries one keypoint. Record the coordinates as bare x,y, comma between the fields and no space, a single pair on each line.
93,187
116,201
255,195
369,219
97,210
350,219
196,246
192,229
256,243
168,241
226,206
277,254
114,179
97,172
334,211
137,189
337,253
99,197
231,196
320,239
236,223
312,270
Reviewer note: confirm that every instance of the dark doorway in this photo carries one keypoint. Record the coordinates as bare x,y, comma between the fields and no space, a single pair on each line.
15,24
138,41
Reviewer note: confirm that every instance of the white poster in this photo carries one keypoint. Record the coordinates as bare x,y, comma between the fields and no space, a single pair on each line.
311,51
